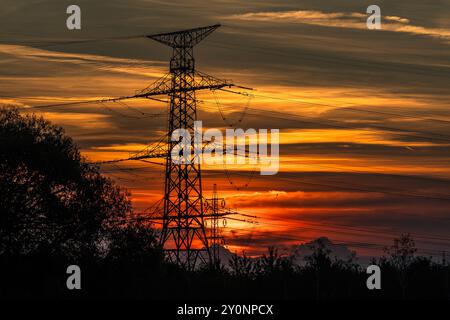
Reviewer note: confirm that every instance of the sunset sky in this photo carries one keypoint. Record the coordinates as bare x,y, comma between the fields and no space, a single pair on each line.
363,114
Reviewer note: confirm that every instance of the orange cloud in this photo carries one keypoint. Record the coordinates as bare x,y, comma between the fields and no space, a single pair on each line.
353,20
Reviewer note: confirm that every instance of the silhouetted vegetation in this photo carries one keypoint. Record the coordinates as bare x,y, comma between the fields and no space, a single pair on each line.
56,210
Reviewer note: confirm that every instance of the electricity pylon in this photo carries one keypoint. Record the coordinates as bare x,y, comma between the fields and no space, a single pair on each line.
183,218
216,238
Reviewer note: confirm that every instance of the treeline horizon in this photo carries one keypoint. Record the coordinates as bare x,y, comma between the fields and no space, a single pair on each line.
130,272
56,210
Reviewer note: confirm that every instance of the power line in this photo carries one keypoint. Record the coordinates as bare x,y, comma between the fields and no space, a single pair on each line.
350,243
384,65
46,44
376,231
430,236
363,188
351,229
348,106
334,167
86,102
345,107
341,125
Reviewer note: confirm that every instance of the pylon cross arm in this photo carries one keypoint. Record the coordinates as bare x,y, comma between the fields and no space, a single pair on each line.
184,39
201,81
163,83
205,80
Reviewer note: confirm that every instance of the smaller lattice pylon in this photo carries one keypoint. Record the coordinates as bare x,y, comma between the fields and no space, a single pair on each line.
214,218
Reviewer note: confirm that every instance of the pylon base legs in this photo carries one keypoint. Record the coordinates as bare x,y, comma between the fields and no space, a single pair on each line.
187,259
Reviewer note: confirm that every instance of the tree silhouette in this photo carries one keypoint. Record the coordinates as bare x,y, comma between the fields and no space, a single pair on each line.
401,255
52,201
241,266
320,262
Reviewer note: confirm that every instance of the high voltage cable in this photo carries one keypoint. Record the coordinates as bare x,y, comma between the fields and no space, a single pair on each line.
221,43
346,231
347,106
363,188
342,242
306,102
359,188
340,168
348,243
339,124
378,232
336,124
101,102
312,103
85,102
356,244
316,57
345,169
279,115
428,236
227,174
45,44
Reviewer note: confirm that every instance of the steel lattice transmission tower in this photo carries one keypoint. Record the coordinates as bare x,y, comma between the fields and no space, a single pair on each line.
183,215
183,221
214,204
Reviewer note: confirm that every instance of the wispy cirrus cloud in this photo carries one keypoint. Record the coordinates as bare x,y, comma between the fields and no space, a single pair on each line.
352,20
100,62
